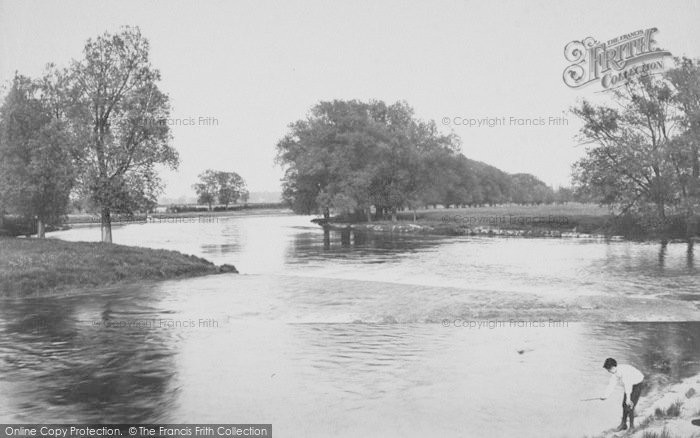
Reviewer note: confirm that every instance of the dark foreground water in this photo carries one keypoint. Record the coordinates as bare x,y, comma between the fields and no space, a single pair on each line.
375,336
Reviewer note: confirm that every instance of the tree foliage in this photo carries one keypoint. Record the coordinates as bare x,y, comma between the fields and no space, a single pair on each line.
37,170
642,157
96,127
350,156
118,113
222,187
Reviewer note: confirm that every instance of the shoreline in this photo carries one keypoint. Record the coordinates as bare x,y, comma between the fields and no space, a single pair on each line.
669,415
456,230
489,231
572,220
569,220
37,267
421,227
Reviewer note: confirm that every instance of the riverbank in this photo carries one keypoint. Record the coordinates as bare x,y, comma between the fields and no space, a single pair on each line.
569,220
448,229
31,266
669,415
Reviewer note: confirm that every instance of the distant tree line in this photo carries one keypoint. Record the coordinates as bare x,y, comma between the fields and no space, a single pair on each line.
352,157
225,188
195,208
643,155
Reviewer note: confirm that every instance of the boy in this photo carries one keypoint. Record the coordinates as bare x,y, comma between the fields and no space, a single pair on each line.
631,379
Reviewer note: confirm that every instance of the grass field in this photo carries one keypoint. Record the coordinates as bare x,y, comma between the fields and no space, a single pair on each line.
537,220
29,266
583,218
570,209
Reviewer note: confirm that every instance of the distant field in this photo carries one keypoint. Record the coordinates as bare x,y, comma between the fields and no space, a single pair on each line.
569,209
581,218
577,217
584,218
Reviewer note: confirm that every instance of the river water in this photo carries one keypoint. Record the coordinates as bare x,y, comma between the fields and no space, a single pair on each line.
376,335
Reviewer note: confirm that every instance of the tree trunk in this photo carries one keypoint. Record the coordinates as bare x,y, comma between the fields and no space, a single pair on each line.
326,237
40,229
414,215
393,214
662,210
106,226
369,214
689,227
659,195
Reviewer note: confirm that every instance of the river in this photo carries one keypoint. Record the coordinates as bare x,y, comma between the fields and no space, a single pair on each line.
378,335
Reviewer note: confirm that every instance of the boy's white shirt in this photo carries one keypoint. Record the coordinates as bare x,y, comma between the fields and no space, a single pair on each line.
627,376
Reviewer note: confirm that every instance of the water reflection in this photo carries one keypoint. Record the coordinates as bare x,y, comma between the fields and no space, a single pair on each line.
63,362
455,379
342,335
669,352
78,359
542,266
690,256
358,246
291,245
662,254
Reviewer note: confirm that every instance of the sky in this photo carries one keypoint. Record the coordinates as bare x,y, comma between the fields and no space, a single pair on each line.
241,71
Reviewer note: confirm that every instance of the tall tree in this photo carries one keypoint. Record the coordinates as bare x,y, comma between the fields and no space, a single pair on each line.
118,118
231,187
219,186
685,151
207,188
528,189
36,156
628,163
351,155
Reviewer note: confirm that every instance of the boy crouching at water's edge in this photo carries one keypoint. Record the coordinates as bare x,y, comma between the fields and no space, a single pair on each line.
632,380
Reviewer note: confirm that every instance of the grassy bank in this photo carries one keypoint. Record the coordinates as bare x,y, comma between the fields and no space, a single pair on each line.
29,266
670,415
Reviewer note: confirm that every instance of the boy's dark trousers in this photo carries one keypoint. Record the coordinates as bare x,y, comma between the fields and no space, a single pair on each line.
634,397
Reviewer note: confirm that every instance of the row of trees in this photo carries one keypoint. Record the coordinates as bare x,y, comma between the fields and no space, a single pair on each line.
222,187
350,156
90,129
643,155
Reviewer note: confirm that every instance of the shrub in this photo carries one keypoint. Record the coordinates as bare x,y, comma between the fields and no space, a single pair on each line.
674,410
663,434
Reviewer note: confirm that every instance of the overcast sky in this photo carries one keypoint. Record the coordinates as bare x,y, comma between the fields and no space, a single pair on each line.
256,66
